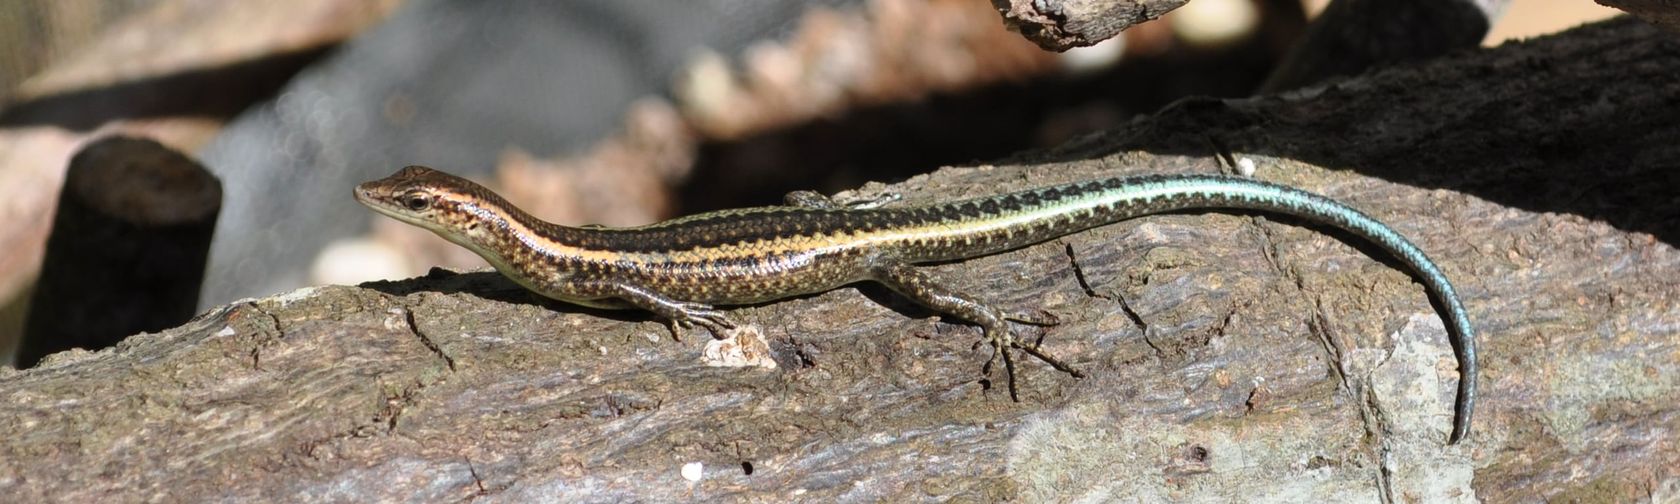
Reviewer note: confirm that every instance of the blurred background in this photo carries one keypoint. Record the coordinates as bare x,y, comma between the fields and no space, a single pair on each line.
616,112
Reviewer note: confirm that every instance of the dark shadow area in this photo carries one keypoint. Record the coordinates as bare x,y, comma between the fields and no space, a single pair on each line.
1617,165
491,285
217,92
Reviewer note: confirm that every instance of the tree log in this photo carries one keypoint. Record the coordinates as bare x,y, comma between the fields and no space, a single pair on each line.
1230,356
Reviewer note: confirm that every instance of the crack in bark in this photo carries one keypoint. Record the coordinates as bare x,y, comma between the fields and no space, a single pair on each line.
1143,327
396,405
266,334
1319,326
1079,274
1371,414
1125,306
1268,249
408,316
1224,322
478,481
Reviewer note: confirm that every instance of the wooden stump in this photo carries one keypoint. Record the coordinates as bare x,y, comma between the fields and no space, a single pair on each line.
127,248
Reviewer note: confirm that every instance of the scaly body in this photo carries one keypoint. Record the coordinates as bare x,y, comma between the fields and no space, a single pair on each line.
679,268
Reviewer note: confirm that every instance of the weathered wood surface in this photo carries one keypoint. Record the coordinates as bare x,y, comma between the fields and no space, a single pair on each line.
1664,13
1231,357
1059,25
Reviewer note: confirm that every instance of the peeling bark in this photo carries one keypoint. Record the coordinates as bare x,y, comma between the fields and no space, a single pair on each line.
1059,25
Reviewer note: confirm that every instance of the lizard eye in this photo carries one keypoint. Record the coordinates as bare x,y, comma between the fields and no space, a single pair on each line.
416,201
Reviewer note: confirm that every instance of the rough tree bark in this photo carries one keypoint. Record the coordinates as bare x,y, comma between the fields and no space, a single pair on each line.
1664,13
1059,25
1231,356
1351,36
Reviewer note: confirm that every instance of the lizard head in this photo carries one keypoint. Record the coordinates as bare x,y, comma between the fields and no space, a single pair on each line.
453,207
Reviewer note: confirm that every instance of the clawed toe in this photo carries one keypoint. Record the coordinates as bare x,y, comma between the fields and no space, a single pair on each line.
1052,361
1001,342
704,316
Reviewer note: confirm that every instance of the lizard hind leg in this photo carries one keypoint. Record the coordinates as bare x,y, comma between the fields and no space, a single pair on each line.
921,288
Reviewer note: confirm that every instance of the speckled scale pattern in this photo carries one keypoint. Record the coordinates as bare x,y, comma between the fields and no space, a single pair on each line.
772,252
761,254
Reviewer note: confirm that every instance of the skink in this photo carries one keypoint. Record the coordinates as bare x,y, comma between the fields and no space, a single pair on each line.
680,268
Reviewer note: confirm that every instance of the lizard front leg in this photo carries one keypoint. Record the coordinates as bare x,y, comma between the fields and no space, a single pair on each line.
678,312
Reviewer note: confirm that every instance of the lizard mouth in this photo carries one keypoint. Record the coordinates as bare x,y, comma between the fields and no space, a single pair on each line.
372,198
368,197
363,194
